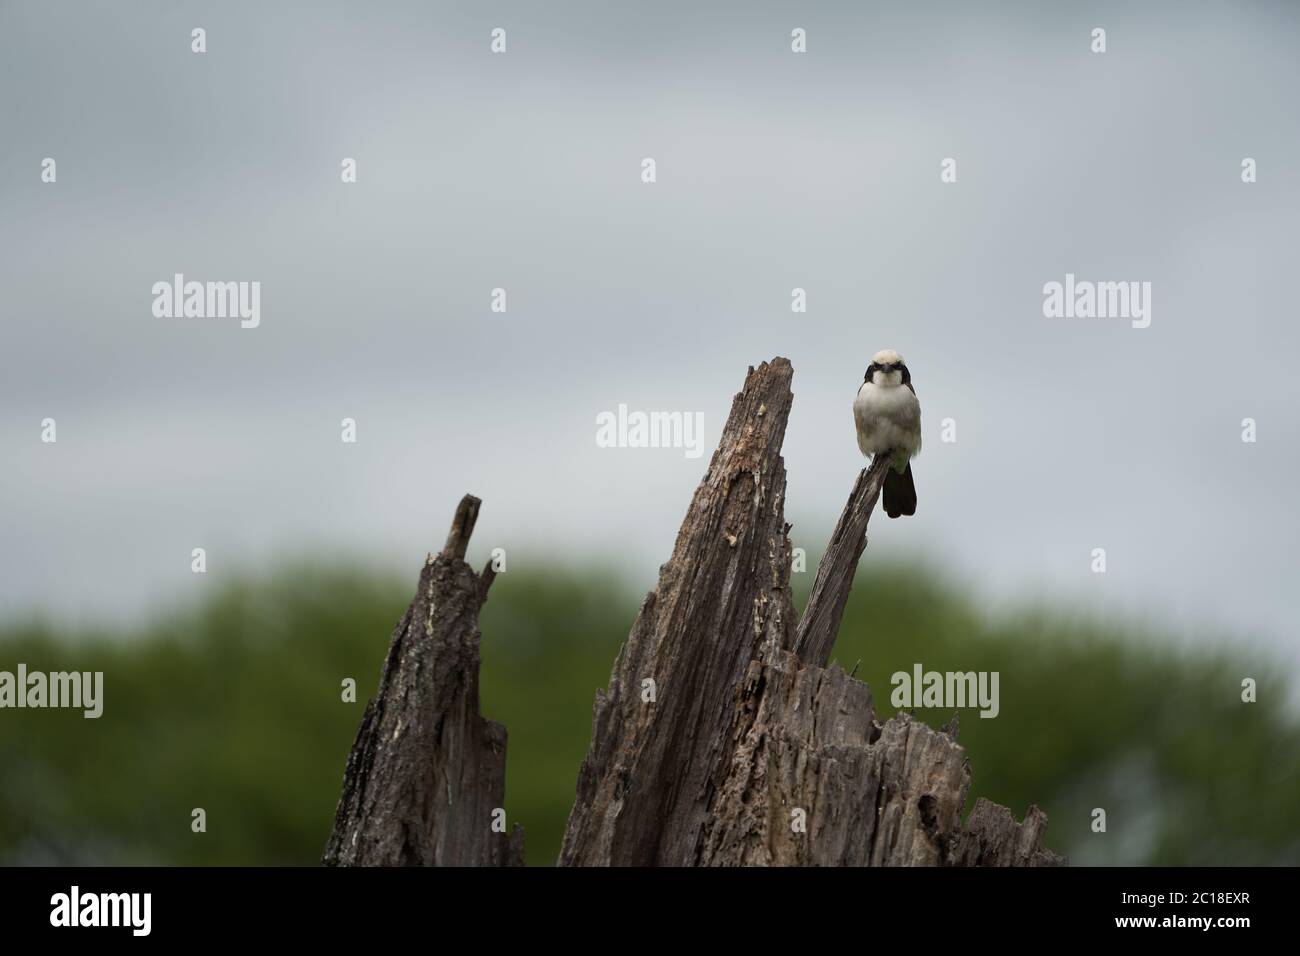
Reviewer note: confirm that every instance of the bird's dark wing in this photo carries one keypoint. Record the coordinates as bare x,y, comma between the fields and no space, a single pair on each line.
907,379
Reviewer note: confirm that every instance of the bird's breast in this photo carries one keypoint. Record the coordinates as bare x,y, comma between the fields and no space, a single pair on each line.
887,419
891,402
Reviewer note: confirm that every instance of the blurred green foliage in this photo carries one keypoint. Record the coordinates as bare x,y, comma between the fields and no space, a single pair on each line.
235,706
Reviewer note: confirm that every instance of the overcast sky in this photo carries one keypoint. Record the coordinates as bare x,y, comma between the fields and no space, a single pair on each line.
522,170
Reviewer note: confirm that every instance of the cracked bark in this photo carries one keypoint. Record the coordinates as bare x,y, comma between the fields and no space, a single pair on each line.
721,724
427,771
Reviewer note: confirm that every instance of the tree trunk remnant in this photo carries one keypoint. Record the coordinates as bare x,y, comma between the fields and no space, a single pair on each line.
427,772
820,623
722,738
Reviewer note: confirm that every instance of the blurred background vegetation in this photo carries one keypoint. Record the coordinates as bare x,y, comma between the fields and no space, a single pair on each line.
235,706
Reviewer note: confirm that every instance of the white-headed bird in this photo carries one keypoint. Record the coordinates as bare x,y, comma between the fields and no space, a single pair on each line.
888,418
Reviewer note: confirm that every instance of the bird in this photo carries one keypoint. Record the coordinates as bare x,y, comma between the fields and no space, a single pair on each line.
888,419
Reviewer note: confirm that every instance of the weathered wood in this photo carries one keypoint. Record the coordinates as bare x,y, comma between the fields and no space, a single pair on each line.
427,772
659,749
820,623
992,837
749,751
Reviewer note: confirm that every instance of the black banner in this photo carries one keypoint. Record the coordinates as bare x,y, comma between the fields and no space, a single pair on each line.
337,905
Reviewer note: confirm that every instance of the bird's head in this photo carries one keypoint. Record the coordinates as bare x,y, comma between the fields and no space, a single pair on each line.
887,369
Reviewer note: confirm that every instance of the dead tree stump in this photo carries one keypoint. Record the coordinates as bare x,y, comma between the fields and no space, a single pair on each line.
722,729
427,772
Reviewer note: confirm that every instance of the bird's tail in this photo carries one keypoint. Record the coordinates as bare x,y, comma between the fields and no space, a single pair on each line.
900,492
